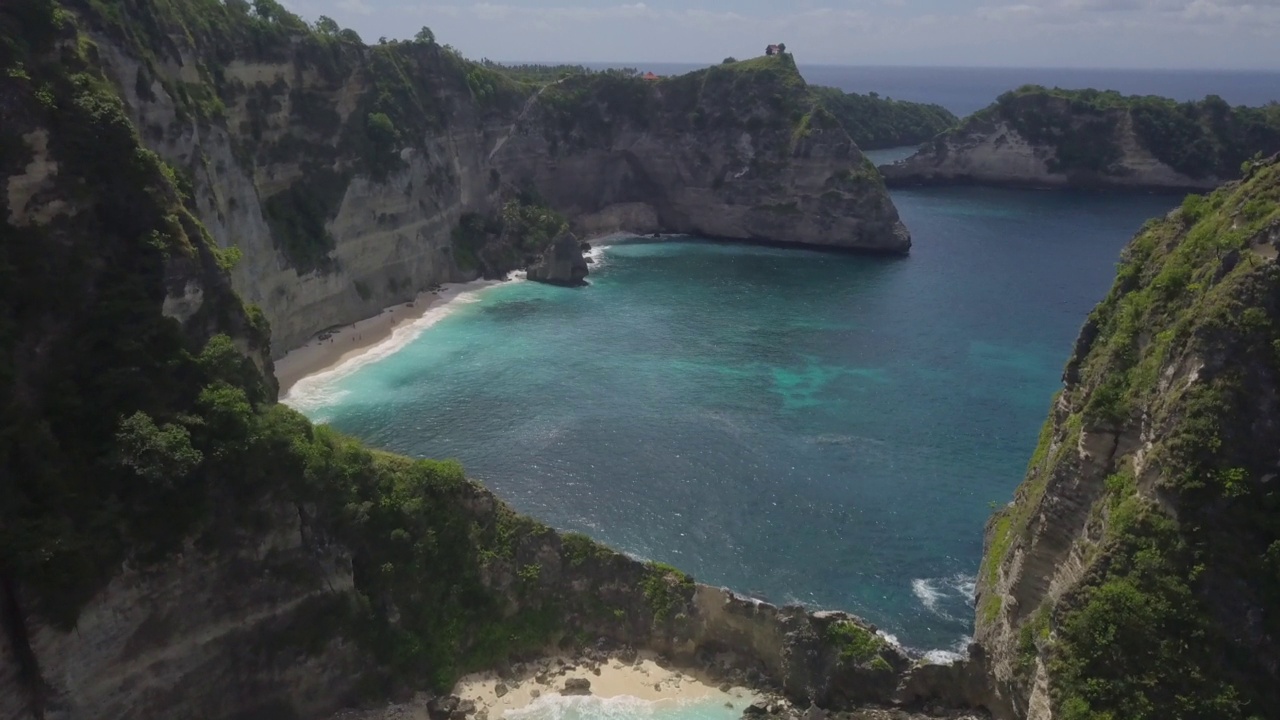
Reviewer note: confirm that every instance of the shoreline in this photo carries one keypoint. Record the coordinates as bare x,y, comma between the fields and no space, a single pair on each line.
632,676
642,677
344,344
349,342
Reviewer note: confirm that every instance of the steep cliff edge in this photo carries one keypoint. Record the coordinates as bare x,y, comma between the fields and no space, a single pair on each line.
1037,137
1137,572
741,150
173,543
340,171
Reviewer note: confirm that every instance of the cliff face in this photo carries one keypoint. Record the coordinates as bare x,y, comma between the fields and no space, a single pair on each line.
209,634
277,171
1035,137
292,639
738,151
341,171
1134,575
173,543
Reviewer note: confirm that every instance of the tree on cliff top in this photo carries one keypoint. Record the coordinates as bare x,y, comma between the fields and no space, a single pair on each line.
326,25
425,36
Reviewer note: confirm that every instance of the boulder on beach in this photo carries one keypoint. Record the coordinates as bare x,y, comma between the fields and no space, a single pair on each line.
442,708
561,263
576,686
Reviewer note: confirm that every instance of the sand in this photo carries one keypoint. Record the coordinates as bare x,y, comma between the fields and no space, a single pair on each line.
356,339
644,679
350,342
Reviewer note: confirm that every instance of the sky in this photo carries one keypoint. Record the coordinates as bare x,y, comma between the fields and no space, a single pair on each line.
1173,34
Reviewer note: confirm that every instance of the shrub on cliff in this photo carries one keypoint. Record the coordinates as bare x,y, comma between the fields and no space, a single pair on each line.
128,435
875,122
1176,609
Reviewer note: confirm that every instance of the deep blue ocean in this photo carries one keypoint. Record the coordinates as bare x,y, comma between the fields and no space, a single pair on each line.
805,427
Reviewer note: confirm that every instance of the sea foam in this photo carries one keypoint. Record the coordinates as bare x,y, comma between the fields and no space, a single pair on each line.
939,594
313,393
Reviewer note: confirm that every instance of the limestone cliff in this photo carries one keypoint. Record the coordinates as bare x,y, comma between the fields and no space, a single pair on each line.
174,543
1135,573
1035,137
293,637
340,171
740,150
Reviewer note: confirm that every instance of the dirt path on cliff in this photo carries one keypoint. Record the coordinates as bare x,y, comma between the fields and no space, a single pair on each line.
528,105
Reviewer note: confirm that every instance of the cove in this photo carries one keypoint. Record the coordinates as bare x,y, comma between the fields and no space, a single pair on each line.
805,427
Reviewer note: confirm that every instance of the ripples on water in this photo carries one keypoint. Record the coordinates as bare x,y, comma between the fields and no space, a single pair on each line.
807,427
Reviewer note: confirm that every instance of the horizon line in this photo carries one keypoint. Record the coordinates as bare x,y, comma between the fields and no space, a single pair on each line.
700,63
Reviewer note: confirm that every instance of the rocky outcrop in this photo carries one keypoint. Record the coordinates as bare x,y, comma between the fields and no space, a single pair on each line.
211,635
737,151
174,641
1127,576
562,263
992,152
1041,138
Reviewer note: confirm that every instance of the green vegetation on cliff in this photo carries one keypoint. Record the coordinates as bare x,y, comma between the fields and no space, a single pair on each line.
1178,608
856,644
875,122
589,101
506,240
108,415
128,435
1208,138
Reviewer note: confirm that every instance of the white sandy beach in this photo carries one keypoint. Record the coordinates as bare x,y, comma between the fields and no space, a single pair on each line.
643,679
353,341
402,322
486,696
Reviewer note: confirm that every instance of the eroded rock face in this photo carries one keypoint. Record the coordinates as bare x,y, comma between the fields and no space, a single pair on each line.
1136,468
562,263
993,153
742,158
259,630
212,635
708,154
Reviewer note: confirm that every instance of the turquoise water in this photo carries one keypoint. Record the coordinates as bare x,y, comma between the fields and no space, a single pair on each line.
806,427
555,707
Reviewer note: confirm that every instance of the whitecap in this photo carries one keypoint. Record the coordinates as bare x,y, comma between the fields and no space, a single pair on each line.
957,652
928,593
935,594
942,657
966,585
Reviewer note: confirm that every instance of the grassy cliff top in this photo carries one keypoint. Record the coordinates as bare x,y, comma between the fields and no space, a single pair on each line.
1178,609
